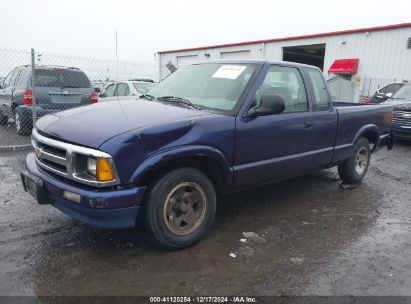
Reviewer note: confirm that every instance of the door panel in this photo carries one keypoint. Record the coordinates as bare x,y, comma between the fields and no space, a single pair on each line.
275,147
324,115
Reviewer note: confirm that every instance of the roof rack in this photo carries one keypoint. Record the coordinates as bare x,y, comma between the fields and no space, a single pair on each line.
57,66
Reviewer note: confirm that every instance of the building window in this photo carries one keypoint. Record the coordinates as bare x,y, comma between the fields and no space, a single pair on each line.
409,43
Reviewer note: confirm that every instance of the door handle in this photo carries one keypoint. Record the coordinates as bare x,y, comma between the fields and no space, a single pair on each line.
308,124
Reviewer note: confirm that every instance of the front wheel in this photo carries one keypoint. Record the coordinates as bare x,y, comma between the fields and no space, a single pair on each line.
180,208
353,170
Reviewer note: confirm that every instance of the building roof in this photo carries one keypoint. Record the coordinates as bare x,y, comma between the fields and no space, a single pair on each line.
352,31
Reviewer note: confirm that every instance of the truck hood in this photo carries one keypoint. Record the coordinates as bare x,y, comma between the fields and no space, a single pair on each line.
399,104
94,124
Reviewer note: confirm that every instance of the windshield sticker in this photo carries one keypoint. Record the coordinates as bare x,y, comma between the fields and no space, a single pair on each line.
229,71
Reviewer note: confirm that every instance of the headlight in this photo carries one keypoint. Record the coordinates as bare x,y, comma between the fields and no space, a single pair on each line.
92,166
100,168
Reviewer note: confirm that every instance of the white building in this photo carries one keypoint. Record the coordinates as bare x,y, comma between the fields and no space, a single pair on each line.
363,58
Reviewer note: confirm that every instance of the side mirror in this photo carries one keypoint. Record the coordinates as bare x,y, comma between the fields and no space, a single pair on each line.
269,105
389,95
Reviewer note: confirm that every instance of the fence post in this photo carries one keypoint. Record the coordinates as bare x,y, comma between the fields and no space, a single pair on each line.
33,85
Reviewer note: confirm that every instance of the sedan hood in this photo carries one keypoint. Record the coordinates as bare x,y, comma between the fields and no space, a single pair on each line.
92,125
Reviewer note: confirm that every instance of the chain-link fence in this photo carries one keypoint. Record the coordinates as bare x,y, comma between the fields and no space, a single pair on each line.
61,82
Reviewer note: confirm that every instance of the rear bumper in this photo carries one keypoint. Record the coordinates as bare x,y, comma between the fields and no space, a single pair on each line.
106,209
27,111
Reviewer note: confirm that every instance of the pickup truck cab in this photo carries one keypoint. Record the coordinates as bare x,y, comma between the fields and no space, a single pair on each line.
206,130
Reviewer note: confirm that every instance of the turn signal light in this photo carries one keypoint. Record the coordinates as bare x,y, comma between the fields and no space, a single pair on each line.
388,118
104,171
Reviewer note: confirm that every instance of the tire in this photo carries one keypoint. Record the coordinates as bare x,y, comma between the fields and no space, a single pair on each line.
3,119
354,169
180,208
22,125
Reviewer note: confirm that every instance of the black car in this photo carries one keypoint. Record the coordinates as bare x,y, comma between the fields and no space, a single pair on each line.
386,92
56,89
401,122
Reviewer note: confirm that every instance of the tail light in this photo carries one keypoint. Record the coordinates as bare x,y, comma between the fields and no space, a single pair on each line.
28,97
94,98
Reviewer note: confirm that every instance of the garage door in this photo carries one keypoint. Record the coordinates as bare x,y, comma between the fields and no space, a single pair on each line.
186,60
235,55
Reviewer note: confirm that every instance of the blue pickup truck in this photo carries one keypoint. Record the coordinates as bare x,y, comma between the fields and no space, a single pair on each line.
206,130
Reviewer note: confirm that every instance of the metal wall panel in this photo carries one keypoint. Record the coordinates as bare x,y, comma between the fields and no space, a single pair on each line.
382,54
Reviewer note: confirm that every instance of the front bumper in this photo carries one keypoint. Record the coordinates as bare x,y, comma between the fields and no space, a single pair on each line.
402,133
115,208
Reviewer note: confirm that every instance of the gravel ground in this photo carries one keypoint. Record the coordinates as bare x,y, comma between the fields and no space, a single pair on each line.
310,237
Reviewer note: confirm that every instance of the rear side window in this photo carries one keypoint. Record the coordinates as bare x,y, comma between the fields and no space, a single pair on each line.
7,80
13,77
321,98
61,78
23,78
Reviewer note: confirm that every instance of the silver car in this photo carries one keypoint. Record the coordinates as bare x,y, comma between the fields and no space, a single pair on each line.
125,89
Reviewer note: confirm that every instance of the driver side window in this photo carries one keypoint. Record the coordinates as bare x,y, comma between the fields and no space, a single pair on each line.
109,91
286,82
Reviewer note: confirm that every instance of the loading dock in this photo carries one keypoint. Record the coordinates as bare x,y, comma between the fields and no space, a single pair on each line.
308,54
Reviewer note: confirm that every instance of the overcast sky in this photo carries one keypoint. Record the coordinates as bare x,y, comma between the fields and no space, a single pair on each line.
87,27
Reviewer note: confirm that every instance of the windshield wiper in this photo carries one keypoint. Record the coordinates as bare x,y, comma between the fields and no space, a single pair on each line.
179,100
147,96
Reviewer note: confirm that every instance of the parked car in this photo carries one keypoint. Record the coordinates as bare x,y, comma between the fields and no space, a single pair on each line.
401,122
206,130
57,88
125,89
386,92
99,86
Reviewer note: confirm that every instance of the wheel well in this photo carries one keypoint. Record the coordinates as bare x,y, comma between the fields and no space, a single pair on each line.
208,166
372,137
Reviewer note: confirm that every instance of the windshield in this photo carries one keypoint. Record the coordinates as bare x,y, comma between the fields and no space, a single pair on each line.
142,87
212,86
404,92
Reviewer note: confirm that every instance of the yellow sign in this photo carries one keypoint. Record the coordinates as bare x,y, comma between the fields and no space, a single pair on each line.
357,82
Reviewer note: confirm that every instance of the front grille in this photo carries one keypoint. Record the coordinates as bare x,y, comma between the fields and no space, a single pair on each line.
53,158
53,150
64,159
401,119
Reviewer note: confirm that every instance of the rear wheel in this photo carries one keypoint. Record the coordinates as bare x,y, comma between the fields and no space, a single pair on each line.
355,168
22,124
180,208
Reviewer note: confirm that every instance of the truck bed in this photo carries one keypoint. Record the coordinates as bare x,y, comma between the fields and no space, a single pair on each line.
354,117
